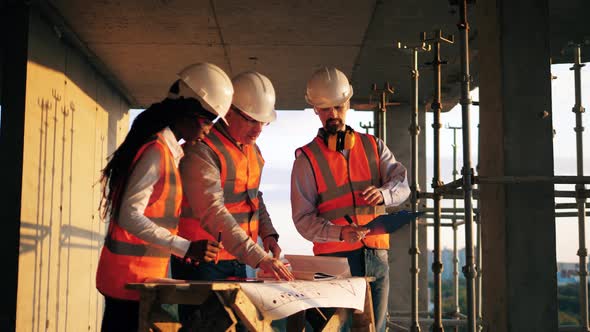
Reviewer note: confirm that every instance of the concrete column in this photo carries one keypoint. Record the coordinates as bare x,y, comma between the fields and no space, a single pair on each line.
14,32
398,140
519,264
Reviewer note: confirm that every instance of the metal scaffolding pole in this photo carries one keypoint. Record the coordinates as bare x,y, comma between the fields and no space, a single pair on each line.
379,113
456,309
556,179
437,267
578,109
414,185
478,278
469,270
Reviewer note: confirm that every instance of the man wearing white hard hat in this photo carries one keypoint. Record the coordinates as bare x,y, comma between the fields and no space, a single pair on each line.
340,181
142,192
221,177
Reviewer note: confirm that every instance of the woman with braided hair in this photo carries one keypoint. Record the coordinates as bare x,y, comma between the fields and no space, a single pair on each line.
142,191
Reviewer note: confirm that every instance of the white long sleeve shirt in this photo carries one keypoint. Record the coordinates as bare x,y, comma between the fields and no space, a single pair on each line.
304,195
140,186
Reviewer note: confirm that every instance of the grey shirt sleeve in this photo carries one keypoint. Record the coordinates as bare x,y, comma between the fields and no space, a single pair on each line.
395,188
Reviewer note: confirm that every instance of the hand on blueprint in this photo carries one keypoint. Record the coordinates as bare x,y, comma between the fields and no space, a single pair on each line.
270,244
275,267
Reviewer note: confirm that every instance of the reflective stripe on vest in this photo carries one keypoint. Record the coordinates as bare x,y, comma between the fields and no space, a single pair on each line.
126,258
340,184
240,172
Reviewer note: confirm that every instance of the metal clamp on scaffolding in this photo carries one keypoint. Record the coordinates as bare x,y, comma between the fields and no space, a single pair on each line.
469,271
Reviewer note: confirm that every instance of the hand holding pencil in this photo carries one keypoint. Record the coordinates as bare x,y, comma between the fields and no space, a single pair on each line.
353,232
203,251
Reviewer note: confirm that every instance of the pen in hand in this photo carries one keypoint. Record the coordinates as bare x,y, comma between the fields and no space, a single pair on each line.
349,220
218,241
353,224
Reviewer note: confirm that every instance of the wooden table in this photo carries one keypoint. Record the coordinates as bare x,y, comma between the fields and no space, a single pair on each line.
231,304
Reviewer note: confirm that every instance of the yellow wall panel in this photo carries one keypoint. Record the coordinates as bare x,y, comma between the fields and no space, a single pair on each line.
73,121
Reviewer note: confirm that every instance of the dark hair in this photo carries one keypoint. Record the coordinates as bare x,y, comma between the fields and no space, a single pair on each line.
144,128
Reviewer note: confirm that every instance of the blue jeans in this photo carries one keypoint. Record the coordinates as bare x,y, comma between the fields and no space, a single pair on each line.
368,262
204,271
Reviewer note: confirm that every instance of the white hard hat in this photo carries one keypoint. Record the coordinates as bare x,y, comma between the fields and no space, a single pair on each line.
255,96
328,87
210,85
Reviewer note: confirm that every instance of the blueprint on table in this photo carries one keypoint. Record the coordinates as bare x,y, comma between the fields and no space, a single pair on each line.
279,299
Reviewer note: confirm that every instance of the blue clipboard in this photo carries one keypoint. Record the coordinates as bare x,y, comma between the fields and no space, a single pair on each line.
389,223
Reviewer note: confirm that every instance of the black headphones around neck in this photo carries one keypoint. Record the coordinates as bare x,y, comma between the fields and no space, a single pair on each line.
341,140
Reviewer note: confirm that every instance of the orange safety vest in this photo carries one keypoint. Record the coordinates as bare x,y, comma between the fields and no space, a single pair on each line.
340,184
240,172
125,258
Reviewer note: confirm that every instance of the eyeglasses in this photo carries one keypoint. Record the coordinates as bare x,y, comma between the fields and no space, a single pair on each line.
207,120
249,120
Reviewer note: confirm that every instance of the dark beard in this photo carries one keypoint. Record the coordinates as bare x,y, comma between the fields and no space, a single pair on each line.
332,126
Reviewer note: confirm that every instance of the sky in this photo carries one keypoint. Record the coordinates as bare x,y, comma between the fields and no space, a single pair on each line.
293,129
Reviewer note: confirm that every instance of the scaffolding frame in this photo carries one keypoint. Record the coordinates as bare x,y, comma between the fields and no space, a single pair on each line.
464,188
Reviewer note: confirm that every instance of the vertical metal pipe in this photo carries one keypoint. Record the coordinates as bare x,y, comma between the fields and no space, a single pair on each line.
477,218
437,266
414,250
478,281
578,109
436,106
377,127
414,130
469,269
455,244
381,115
